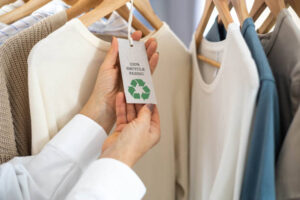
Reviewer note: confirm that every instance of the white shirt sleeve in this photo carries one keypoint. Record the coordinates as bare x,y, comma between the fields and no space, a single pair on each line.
108,179
53,172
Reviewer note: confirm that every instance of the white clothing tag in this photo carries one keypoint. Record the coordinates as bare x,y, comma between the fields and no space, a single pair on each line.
136,74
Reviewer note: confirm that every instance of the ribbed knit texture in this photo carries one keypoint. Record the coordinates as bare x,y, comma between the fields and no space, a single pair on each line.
7,138
14,102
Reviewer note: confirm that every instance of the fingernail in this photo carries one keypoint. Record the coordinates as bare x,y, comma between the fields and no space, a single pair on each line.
150,107
157,53
114,39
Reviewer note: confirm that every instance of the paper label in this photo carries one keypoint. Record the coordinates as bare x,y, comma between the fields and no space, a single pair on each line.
136,74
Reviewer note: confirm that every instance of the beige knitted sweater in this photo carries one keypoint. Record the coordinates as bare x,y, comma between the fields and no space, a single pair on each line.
15,125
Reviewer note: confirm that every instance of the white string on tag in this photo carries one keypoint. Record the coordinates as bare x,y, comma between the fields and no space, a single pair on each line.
130,23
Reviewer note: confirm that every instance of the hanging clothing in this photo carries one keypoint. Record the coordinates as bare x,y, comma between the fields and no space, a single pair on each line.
53,173
51,8
223,101
164,169
8,148
60,67
217,32
10,7
265,135
288,165
114,25
13,62
13,59
281,47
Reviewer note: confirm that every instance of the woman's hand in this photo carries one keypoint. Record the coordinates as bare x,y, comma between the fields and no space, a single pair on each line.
101,104
137,131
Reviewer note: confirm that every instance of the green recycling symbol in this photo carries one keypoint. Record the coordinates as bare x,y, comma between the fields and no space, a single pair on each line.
132,89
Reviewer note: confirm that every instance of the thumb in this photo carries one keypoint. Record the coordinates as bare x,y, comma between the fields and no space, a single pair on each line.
112,55
145,113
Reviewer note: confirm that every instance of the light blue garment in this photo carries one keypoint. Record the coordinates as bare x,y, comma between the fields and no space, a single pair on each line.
264,142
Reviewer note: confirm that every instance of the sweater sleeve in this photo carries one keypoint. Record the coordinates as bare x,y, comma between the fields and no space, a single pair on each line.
8,147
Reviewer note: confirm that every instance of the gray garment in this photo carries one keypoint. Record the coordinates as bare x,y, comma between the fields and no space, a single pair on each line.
282,48
288,166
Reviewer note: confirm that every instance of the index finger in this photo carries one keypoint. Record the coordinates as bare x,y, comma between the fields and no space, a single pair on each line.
137,35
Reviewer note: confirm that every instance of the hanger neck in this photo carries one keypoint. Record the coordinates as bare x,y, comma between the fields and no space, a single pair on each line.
224,12
259,6
105,8
124,12
208,9
275,6
145,8
295,4
241,10
80,7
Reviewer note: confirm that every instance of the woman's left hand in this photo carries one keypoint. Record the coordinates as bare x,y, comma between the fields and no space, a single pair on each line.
101,104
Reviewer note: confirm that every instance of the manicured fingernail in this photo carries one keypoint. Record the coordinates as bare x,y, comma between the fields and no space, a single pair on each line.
150,107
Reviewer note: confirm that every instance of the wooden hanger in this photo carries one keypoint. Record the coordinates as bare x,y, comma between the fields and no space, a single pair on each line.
267,25
136,24
83,6
22,11
224,13
295,5
5,2
240,8
259,6
270,21
26,10
108,6
145,8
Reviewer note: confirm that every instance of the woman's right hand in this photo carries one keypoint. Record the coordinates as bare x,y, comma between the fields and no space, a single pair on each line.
137,131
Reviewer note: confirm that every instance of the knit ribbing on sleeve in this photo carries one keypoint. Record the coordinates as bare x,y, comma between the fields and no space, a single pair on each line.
7,138
13,60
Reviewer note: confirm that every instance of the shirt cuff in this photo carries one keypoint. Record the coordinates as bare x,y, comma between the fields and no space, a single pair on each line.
109,179
81,140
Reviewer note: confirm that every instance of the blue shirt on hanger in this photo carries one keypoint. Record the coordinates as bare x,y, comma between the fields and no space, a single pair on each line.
259,175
